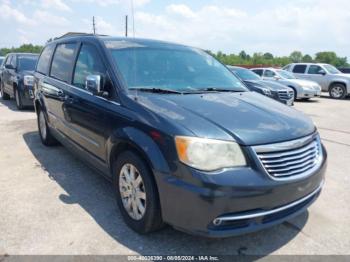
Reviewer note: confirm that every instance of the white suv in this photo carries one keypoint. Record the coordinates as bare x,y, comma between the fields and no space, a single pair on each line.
327,76
303,89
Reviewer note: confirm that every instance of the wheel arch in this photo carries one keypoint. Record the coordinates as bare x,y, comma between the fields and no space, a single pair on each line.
338,82
130,138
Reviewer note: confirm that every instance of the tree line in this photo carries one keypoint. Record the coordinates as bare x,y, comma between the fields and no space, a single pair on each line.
269,59
235,59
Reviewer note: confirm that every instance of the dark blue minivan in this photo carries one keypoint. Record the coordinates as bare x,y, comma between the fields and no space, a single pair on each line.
181,138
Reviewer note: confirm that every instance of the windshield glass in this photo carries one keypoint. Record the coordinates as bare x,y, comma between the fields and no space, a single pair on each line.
245,74
286,75
182,70
27,63
331,69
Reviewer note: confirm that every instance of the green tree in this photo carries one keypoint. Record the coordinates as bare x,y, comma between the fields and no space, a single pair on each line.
296,56
268,56
307,59
330,58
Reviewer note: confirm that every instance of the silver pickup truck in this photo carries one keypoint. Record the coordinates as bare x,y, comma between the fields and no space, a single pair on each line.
327,76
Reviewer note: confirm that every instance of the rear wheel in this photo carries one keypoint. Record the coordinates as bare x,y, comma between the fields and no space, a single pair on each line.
4,96
337,91
136,193
45,135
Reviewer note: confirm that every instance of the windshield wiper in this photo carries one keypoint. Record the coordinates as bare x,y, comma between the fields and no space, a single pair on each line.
157,90
215,89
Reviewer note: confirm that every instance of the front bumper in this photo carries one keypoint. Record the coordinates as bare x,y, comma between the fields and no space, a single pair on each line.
248,195
27,95
309,93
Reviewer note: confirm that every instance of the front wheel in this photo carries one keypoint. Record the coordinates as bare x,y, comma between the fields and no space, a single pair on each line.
4,96
137,194
337,91
18,100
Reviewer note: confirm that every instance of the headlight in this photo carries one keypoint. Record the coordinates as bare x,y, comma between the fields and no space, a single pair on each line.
266,91
208,154
28,80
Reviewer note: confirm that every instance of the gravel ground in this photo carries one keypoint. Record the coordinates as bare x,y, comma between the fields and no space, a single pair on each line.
51,203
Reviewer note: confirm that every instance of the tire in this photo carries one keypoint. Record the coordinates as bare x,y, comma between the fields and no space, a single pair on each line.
4,96
44,132
141,193
18,99
337,91
295,93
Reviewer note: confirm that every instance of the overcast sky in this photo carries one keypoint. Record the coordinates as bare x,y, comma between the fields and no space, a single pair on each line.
275,26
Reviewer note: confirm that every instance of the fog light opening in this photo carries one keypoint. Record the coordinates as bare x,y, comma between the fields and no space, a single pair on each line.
217,222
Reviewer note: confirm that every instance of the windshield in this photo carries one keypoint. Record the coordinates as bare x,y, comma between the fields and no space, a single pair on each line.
27,63
245,74
286,75
331,69
182,70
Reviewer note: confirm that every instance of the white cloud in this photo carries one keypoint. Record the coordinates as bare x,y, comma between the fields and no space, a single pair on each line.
50,19
306,25
181,9
56,4
10,13
105,3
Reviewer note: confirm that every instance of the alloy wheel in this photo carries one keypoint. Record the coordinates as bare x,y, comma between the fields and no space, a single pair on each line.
337,91
132,191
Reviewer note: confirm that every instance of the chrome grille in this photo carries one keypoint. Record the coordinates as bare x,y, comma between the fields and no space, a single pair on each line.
285,94
293,158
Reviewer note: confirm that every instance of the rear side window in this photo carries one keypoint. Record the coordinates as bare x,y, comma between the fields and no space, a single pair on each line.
62,62
315,70
258,71
299,69
44,60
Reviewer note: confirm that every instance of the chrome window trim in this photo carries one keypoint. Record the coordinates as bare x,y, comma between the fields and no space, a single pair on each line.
85,91
272,211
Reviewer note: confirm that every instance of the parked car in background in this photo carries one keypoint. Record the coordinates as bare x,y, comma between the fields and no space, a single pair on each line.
17,78
183,140
1,59
271,89
303,89
345,70
336,83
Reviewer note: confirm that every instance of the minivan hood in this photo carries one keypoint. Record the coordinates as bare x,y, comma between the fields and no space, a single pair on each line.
247,117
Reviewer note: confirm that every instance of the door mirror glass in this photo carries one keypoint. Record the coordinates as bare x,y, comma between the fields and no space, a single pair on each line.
276,77
322,72
93,84
9,66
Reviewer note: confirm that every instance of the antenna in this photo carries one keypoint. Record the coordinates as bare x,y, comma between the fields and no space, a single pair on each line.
93,25
126,26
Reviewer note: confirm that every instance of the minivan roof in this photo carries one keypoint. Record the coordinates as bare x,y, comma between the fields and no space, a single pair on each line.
123,40
24,54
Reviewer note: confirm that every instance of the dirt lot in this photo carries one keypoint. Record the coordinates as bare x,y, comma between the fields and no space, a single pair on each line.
51,203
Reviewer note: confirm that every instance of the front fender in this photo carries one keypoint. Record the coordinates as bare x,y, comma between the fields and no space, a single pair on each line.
141,141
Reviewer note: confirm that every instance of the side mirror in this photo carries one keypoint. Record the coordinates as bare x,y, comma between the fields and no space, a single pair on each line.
9,66
93,84
322,72
277,77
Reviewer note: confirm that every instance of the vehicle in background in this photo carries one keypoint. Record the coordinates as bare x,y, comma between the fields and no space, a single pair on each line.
271,89
345,70
331,80
17,78
1,59
181,137
303,89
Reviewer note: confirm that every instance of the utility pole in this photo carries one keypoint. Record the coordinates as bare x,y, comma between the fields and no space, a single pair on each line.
93,25
126,26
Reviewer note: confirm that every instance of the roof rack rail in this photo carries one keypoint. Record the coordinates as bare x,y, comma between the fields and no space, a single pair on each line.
69,34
